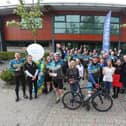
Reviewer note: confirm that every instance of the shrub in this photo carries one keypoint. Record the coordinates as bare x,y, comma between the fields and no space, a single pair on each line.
7,76
3,55
8,55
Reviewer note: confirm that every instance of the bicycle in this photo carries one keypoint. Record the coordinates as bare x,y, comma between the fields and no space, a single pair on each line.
99,99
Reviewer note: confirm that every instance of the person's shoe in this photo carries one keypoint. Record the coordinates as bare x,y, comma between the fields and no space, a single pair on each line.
25,96
30,98
114,96
57,100
17,99
36,96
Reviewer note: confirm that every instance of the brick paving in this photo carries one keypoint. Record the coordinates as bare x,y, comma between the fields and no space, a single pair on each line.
44,112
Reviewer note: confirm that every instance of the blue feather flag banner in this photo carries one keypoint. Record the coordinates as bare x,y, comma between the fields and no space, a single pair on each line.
106,33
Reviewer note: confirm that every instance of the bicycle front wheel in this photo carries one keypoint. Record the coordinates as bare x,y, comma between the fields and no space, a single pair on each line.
71,100
102,102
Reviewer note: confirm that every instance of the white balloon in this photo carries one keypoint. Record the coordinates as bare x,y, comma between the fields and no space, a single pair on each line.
36,51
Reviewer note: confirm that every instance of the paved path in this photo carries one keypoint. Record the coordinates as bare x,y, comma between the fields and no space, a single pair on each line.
44,112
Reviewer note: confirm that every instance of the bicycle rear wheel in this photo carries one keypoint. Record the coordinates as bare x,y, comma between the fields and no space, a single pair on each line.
71,100
102,102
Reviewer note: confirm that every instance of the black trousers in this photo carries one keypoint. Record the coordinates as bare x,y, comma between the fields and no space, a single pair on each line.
30,84
116,91
20,80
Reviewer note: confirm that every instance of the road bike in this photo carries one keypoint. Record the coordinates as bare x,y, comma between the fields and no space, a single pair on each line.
99,99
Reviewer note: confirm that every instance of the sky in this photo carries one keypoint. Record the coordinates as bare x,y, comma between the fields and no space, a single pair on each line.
13,2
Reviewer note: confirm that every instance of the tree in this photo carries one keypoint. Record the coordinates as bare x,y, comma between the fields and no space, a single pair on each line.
31,17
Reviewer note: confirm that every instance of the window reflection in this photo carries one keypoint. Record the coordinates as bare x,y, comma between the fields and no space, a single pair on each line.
72,18
77,24
59,18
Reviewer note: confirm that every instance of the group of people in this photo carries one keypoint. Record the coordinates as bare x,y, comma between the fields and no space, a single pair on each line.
70,65
103,68
21,67
26,71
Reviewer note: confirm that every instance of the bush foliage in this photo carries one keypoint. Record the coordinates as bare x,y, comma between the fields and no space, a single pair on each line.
8,55
7,76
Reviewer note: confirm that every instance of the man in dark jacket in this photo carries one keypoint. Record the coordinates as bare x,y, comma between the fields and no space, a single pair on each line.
31,71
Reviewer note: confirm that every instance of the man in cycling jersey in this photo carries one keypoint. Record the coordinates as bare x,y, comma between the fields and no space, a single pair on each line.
94,72
56,69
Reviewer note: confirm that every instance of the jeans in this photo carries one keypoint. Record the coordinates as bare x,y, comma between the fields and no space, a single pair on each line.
108,86
74,87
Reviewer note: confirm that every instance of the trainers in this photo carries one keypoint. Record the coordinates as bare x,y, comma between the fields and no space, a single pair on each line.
57,100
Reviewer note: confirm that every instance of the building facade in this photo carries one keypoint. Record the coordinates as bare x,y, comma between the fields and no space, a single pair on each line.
70,24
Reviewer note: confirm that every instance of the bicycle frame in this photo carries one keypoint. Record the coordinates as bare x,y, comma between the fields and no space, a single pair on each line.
95,93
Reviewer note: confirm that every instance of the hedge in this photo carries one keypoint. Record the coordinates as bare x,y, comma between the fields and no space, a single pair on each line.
8,55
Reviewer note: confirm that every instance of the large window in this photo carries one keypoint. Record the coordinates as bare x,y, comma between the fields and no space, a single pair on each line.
78,24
